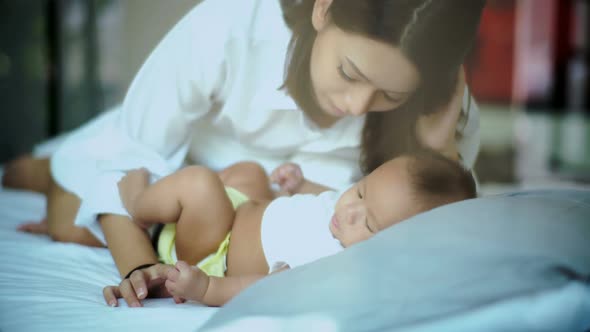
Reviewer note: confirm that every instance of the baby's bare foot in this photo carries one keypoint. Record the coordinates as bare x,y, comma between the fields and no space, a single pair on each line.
28,173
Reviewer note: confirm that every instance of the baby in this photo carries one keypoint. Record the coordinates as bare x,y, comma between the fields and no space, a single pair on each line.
200,213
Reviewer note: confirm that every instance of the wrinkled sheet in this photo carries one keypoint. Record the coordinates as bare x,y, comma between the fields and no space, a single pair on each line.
453,275
49,286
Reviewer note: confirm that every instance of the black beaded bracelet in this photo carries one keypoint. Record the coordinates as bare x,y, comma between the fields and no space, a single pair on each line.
142,266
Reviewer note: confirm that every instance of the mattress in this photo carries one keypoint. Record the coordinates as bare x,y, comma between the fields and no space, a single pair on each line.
491,271
49,286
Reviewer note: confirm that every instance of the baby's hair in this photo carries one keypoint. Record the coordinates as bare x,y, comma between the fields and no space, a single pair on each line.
437,180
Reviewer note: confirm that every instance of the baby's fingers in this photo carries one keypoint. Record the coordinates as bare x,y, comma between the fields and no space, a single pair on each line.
173,275
290,169
182,266
171,287
274,176
291,184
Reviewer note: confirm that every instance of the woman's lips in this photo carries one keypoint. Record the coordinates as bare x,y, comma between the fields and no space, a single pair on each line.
335,110
339,111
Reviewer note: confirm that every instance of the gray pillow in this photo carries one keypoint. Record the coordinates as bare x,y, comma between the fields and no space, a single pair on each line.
498,257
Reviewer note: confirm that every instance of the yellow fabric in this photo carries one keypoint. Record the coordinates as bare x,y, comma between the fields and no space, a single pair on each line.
214,264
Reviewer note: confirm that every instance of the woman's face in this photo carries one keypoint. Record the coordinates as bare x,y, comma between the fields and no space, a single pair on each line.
352,74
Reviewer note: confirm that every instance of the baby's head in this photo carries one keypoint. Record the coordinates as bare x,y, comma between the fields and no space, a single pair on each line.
397,190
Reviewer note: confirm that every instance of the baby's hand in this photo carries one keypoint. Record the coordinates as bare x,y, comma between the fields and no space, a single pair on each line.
289,177
187,282
131,185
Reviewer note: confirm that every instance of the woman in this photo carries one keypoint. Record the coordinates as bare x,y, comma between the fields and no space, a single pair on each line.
364,81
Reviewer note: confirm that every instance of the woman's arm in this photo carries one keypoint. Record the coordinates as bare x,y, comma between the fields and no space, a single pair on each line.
171,91
438,130
129,245
468,140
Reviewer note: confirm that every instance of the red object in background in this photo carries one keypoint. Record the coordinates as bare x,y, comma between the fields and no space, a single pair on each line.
490,66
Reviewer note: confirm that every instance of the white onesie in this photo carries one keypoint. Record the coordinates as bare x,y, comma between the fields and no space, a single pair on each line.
295,229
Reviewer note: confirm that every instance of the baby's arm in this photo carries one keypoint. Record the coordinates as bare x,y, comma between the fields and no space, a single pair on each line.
290,178
190,283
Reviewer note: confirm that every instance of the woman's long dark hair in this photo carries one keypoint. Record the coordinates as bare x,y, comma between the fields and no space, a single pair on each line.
435,35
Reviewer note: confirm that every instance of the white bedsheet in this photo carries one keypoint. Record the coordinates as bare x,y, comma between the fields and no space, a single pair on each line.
48,286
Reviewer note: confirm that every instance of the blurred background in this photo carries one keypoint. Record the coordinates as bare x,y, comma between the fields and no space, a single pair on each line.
63,62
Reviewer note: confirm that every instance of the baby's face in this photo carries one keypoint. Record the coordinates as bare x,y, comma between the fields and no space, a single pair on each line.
377,201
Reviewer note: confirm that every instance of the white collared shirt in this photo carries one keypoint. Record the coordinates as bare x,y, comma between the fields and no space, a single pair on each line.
210,92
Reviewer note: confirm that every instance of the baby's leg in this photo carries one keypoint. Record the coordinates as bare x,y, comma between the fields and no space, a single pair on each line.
249,178
206,216
28,173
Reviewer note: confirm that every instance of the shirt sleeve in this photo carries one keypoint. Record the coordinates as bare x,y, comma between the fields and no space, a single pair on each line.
178,82
468,135
174,88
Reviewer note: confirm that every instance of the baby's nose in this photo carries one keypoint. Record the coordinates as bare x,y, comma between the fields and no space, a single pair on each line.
355,214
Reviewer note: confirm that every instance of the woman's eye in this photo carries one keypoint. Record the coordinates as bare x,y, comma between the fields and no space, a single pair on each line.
391,99
344,75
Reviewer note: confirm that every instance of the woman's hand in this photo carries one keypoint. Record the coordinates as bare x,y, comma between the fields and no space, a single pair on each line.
131,186
437,130
141,283
289,177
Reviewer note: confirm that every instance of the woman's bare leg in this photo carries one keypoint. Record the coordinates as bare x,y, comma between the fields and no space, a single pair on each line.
28,173
249,178
40,227
62,207
207,213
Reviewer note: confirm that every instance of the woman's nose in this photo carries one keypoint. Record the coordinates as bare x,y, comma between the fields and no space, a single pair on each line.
360,99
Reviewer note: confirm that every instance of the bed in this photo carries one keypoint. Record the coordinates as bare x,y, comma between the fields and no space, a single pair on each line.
518,261
48,286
